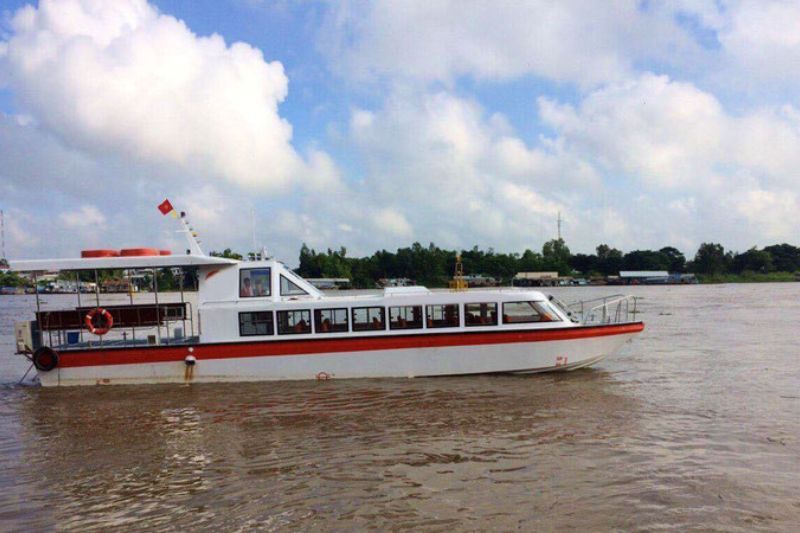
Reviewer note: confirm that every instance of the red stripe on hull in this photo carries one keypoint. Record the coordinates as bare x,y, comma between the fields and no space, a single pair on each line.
162,354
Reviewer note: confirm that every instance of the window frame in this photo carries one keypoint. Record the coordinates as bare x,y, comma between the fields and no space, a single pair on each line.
318,320
496,318
252,284
353,323
536,306
271,321
280,287
308,321
429,322
421,319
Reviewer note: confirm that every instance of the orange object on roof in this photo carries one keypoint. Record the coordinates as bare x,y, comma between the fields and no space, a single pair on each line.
164,252
131,252
99,253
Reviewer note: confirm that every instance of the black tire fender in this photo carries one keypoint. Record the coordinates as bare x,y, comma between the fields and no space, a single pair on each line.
45,359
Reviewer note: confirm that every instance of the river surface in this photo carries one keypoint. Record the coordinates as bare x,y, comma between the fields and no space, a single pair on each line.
695,424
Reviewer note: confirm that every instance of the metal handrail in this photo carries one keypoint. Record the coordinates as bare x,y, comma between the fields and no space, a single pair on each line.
612,309
129,332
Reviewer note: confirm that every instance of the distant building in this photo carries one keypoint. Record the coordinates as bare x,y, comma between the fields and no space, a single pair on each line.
652,277
326,284
540,279
643,277
396,282
480,281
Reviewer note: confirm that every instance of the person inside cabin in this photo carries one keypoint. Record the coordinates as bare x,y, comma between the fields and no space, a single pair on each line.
260,288
246,290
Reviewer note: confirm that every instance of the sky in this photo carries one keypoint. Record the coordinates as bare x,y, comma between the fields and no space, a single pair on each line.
372,125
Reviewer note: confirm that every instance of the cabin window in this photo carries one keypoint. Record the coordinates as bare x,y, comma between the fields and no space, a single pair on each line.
369,318
405,317
290,288
442,316
481,314
330,320
294,322
524,312
254,282
259,323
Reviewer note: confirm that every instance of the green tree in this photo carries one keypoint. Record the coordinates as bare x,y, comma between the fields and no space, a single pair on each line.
609,260
530,261
11,279
752,260
711,259
556,256
227,254
646,260
785,257
676,259
583,263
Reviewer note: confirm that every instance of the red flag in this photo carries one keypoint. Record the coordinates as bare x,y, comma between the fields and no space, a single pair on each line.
165,207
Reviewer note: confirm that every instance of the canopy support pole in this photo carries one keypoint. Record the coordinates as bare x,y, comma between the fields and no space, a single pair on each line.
97,295
183,301
80,319
38,309
158,312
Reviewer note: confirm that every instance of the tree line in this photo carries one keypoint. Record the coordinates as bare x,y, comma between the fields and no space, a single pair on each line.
434,266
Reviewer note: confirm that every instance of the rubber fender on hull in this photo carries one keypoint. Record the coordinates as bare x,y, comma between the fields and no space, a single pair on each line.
45,359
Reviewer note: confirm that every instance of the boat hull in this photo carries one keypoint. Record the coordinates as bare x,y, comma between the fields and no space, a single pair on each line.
524,351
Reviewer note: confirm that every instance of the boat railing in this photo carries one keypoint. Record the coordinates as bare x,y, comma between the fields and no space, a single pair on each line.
613,309
134,325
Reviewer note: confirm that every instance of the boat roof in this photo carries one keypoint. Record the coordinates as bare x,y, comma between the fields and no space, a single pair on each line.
116,263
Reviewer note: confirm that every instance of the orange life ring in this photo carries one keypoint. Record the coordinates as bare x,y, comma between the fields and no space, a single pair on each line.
104,325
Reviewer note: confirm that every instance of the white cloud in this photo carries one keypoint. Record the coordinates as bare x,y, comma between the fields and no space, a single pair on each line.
762,38
87,216
573,41
118,94
461,176
663,132
122,77
393,222
767,213
681,166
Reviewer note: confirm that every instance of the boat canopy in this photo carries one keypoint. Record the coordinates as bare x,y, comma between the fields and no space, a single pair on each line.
115,263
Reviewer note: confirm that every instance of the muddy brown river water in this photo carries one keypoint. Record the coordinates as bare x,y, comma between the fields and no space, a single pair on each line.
694,424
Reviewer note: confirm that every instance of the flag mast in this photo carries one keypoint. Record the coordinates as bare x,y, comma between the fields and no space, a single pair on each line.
191,236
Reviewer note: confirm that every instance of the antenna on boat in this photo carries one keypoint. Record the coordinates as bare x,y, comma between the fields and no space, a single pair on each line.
2,238
253,226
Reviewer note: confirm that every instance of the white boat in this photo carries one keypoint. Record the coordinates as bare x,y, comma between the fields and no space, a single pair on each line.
258,320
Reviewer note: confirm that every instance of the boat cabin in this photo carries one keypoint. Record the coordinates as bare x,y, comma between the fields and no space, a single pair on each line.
264,300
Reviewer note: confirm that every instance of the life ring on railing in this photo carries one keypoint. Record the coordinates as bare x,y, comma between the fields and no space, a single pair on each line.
45,359
103,325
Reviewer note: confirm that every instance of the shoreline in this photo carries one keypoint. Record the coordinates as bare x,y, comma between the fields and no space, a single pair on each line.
703,279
